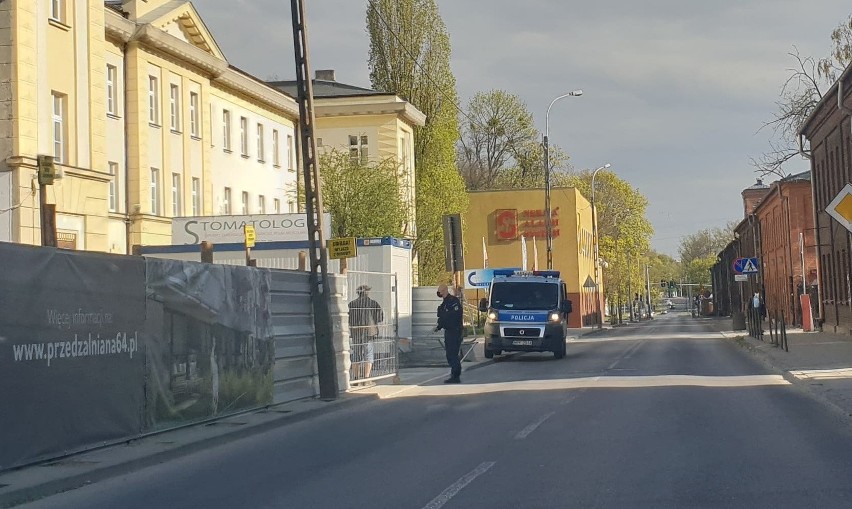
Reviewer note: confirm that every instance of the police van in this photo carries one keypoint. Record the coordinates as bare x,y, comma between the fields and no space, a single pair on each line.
526,311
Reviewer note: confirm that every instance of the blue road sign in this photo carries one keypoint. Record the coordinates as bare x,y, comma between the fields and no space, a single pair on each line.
746,265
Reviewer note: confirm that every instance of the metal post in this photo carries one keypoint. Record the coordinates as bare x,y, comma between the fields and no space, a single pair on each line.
320,291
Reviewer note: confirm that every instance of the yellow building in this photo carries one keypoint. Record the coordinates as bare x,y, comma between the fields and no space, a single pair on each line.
144,117
501,219
368,124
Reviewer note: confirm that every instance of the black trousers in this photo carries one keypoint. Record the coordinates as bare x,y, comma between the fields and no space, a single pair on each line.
452,345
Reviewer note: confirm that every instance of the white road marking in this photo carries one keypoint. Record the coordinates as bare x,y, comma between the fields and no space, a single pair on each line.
822,374
626,354
524,433
599,382
459,485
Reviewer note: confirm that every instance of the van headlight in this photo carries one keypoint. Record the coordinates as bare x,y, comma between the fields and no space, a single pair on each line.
492,315
555,317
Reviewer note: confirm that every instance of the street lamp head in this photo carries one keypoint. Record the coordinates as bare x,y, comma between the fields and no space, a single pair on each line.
607,165
576,93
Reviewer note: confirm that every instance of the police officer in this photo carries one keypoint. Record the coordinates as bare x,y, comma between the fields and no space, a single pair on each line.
450,320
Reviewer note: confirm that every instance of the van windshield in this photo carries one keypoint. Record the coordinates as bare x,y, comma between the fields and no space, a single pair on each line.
524,296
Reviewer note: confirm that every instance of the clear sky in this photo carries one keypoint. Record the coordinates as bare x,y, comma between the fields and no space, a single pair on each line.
675,91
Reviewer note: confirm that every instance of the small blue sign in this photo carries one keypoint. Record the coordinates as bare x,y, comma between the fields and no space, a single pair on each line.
746,265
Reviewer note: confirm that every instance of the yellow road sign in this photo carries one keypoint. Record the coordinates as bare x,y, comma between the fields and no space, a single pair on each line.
840,207
251,236
343,247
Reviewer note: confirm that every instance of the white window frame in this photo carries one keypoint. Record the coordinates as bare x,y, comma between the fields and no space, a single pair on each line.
57,10
358,151
226,130
244,203
276,156
194,114
112,90
177,198
261,204
174,106
291,206
276,203
196,196
260,143
155,192
290,153
59,135
226,201
244,136
153,100
113,186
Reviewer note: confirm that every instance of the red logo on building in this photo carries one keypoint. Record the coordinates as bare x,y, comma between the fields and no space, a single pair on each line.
506,224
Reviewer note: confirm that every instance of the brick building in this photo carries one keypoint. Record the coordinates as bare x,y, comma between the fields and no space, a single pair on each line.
828,131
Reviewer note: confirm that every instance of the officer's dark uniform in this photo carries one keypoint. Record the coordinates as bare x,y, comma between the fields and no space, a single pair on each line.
450,320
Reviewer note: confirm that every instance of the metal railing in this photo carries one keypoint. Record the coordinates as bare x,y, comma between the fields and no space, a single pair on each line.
373,326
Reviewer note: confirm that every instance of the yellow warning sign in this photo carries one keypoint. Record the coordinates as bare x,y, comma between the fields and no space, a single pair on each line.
840,207
343,247
251,236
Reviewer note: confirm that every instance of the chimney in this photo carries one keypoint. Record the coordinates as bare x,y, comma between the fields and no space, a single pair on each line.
325,75
753,195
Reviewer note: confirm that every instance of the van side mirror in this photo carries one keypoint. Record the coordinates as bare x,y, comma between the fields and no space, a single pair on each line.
483,304
567,307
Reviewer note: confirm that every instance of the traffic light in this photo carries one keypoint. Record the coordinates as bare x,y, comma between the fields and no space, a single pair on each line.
663,283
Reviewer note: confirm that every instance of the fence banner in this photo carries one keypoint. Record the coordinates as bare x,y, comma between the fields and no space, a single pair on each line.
71,350
210,345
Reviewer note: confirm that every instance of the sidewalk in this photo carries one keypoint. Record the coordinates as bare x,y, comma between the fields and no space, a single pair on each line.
29,483
818,362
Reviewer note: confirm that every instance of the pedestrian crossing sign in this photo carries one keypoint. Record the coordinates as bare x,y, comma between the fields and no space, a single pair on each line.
746,266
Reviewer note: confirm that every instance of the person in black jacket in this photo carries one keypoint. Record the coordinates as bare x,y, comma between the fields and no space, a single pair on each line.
450,320
365,315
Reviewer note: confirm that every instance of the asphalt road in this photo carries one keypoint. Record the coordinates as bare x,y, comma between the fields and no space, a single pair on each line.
662,414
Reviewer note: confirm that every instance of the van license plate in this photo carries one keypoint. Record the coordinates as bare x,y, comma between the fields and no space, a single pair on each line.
522,342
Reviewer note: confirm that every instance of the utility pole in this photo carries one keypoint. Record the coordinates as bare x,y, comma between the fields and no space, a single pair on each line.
326,365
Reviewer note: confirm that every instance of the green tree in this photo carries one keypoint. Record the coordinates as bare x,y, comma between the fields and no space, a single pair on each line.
624,233
496,132
364,200
800,94
410,57
705,243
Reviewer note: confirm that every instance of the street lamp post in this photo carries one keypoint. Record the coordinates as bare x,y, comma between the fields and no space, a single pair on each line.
595,238
547,216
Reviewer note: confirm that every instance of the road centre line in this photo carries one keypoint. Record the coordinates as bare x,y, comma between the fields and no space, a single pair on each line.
524,433
626,354
459,485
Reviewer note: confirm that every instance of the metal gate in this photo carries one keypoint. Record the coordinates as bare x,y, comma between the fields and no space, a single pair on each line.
373,325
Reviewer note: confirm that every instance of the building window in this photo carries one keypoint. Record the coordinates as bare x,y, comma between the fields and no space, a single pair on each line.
193,114
112,90
276,203
227,201
226,130
261,204
153,101
290,154
358,149
59,127
56,10
113,186
177,208
196,196
174,107
244,202
291,206
155,191
260,142
276,157
244,136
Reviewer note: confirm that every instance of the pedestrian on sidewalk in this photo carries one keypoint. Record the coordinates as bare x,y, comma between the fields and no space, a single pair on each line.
450,320
365,315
